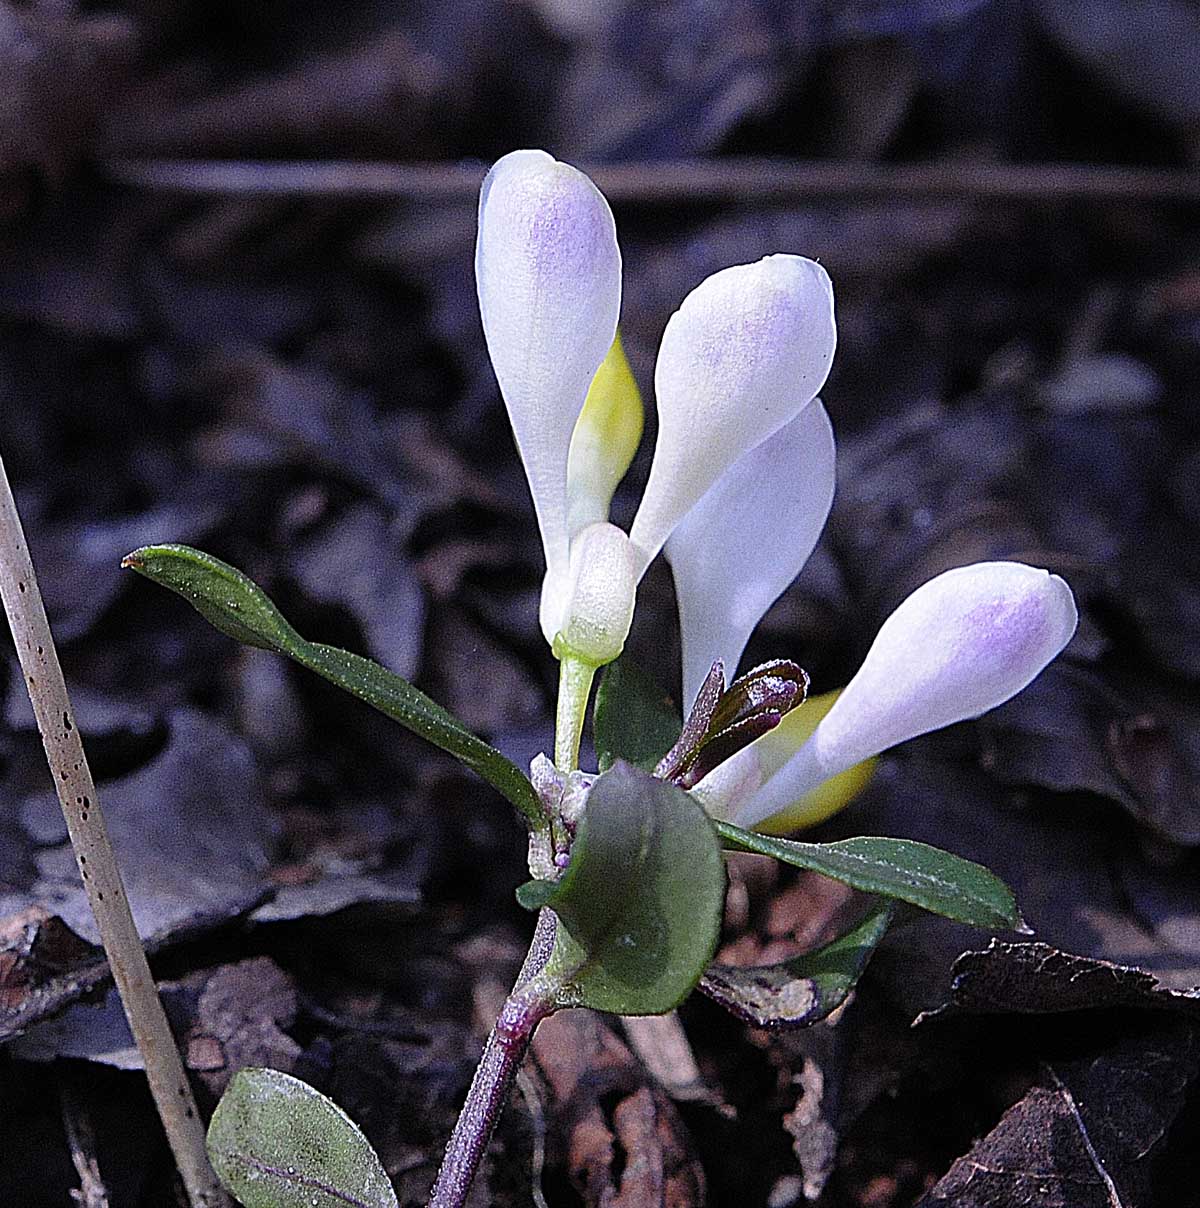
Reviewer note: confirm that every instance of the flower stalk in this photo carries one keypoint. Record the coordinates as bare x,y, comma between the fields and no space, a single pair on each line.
96,860
575,677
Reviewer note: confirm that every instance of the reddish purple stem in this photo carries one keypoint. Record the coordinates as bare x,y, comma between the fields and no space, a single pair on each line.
502,1057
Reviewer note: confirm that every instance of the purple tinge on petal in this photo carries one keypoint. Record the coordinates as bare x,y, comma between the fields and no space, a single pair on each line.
768,323
548,272
743,356
1012,620
961,644
556,224
1003,630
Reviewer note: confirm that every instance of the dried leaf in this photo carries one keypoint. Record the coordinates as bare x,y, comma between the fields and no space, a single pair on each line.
241,1018
1090,1135
804,989
1058,854
358,562
635,1153
1038,979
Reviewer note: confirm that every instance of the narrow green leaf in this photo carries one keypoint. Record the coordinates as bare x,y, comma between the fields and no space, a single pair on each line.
220,593
913,872
237,606
634,719
804,990
277,1143
640,904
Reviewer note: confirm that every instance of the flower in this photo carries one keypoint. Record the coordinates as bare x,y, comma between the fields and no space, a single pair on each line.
743,356
740,486
961,644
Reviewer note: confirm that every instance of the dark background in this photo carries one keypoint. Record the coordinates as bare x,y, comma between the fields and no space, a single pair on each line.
289,371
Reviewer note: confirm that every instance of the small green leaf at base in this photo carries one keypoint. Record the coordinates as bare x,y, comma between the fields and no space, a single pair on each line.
640,904
912,872
633,719
237,606
274,1142
804,990
533,895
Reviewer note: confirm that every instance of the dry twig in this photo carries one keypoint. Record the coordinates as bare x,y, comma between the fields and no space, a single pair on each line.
81,1141
673,182
97,863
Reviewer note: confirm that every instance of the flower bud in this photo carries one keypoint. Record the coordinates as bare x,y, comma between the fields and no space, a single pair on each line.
548,272
597,609
745,353
960,645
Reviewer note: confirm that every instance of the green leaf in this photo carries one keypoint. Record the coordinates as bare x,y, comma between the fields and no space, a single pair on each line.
913,872
533,895
240,608
277,1143
634,719
804,990
640,904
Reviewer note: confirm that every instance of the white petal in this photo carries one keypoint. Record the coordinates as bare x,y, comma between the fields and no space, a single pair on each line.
730,783
745,353
960,645
552,608
736,550
597,609
548,272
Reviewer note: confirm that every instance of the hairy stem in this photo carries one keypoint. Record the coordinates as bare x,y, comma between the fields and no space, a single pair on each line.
574,687
97,863
531,1001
